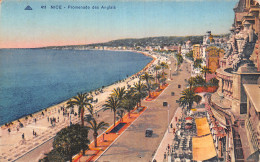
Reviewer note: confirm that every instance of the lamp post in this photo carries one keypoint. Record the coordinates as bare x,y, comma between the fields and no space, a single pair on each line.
164,105
170,73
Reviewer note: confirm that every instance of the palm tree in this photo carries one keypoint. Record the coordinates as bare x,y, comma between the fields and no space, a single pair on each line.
188,97
205,71
156,68
147,77
96,127
164,65
120,114
159,76
191,82
140,92
113,104
81,101
119,93
128,103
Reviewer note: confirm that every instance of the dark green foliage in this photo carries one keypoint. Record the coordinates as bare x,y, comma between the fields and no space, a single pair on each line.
179,58
148,77
188,97
199,81
69,141
197,63
113,104
95,126
189,55
139,92
214,82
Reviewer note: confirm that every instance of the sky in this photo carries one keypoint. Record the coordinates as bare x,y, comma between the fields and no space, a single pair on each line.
65,25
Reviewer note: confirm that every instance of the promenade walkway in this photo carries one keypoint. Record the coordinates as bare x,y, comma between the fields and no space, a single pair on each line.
163,152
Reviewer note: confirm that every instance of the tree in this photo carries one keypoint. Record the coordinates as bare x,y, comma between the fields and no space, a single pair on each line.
189,55
53,155
199,80
119,93
205,71
148,77
214,81
156,68
188,97
179,59
70,141
128,103
96,127
197,63
140,92
159,76
113,104
120,114
81,101
191,82
164,66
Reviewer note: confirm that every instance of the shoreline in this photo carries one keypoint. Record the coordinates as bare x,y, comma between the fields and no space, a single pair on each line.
28,119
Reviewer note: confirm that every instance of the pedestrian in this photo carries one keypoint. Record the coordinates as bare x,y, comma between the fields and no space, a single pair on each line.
17,128
48,119
23,136
171,125
33,132
173,131
9,130
164,155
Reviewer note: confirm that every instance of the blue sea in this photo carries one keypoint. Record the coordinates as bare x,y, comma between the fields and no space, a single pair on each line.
34,79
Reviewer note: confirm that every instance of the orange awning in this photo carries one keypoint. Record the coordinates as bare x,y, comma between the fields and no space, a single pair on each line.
203,148
202,126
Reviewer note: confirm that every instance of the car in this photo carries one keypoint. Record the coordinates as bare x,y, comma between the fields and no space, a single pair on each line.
148,132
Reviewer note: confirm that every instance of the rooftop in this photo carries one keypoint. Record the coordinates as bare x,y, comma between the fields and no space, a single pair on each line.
253,92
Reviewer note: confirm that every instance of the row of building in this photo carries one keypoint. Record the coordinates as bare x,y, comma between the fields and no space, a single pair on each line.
235,62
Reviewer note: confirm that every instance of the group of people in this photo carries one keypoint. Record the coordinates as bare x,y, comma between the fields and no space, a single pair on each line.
53,120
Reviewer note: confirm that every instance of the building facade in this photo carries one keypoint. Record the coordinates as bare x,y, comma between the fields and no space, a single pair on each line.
238,70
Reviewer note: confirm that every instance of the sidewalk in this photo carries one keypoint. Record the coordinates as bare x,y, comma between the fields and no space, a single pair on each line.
167,139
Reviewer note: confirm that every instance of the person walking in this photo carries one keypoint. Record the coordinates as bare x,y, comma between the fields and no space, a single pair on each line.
23,136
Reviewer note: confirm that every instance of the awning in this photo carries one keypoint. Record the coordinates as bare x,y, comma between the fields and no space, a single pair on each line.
219,116
202,126
203,148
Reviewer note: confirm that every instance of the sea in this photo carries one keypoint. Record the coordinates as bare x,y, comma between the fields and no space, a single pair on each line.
34,79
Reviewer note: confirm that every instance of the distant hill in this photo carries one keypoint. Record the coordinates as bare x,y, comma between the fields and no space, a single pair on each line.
143,42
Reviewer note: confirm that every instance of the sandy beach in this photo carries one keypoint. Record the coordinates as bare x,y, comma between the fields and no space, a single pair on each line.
13,146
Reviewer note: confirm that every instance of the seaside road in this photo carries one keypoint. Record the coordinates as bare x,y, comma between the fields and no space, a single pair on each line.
132,145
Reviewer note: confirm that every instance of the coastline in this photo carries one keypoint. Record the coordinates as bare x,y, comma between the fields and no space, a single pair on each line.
28,119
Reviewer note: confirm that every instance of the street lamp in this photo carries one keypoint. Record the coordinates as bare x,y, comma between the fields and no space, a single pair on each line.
171,73
164,105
